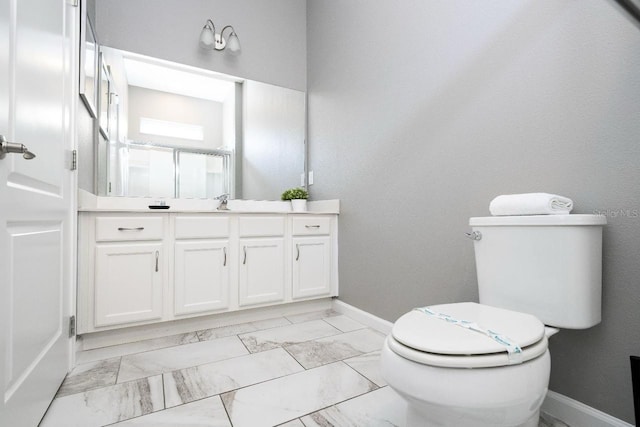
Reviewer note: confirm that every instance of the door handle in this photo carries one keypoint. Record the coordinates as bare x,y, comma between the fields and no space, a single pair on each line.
297,251
157,256
244,261
130,228
224,251
7,147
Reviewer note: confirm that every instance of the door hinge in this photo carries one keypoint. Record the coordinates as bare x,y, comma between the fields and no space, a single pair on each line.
73,162
72,326
74,3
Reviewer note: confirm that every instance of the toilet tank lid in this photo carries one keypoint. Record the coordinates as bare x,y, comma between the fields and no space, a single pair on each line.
541,220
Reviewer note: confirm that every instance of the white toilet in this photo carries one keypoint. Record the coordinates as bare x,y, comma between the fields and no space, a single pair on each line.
487,364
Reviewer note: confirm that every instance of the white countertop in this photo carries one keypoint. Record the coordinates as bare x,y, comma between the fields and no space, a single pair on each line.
88,202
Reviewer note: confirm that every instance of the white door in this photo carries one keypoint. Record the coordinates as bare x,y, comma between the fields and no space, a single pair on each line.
261,271
36,218
201,276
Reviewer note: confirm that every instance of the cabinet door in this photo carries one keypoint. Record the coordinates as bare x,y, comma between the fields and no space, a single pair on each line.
201,276
261,271
128,283
311,266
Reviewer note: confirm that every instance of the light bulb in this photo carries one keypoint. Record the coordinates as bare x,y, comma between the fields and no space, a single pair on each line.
233,44
207,39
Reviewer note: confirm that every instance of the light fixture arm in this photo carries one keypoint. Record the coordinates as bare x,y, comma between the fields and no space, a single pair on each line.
210,25
228,26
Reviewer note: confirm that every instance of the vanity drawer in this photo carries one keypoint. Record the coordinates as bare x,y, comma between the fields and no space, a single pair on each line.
261,226
314,225
122,228
201,227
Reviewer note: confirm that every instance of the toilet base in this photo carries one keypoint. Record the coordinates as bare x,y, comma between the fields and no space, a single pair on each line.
508,396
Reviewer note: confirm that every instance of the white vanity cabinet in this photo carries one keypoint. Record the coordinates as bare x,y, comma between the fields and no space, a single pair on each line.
311,256
201,263
129,269
262,259
138,268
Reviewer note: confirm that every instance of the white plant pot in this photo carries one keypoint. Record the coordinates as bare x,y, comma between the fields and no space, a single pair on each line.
299,205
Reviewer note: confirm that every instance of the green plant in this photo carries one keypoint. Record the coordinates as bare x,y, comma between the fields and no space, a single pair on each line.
295,193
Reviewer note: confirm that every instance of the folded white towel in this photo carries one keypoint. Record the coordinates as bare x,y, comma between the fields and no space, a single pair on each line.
530,204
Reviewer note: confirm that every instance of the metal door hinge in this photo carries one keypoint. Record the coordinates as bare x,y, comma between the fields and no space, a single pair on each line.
73,160
72,326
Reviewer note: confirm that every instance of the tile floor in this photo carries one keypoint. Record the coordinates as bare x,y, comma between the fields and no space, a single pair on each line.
316,369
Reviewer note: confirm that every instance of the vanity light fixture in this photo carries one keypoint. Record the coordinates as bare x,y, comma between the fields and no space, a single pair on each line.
211,40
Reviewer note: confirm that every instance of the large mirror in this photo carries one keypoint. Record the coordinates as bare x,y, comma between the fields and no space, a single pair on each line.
177,131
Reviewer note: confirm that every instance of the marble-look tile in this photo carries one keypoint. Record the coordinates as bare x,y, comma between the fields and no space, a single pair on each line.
338,347
106,405
202,413
369,366
89,376
287,398
241,328
294,423
135,347
287,335
313,315
380,408
170,359
190,384
344,323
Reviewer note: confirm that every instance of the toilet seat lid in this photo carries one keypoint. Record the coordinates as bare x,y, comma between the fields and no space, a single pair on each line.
431,334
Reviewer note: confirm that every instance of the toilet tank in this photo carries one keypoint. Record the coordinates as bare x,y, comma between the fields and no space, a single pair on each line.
546,265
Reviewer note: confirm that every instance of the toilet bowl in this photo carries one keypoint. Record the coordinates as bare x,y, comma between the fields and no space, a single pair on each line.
452,376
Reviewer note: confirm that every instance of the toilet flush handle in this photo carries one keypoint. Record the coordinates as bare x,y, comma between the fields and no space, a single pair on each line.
474,235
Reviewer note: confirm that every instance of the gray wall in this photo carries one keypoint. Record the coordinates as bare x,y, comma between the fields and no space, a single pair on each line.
272,34
420,112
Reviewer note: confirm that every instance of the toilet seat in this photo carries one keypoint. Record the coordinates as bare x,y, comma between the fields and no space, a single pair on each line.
430,340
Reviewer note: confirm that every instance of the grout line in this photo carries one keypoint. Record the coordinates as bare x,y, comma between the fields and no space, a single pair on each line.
294,358
119,367
225,409
245,346
361,374
164,394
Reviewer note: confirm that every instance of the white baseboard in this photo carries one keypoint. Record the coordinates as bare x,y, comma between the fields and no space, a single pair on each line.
577,414
362,316
571,412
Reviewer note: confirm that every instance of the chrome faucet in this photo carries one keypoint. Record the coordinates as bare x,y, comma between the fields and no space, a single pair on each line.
224,198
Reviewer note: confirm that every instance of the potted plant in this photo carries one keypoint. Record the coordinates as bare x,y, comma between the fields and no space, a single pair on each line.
298,197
